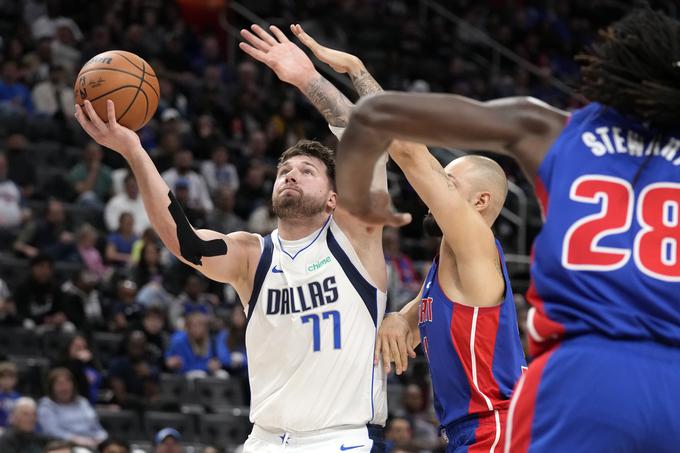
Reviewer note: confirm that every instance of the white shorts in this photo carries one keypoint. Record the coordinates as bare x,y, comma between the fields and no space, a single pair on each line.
334,440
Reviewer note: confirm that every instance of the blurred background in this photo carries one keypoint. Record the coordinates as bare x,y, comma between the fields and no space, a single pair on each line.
103,333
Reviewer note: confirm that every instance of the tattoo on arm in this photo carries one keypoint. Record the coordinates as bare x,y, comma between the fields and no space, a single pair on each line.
365,84
329,101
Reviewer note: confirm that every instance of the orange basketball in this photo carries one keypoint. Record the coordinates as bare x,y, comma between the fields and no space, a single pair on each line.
124,78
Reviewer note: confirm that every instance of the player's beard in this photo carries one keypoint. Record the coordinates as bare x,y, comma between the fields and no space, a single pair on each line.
430,226
297,207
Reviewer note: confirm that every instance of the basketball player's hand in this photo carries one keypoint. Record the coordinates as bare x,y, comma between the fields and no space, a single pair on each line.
109,134
394,343
341,62
288,61
377,209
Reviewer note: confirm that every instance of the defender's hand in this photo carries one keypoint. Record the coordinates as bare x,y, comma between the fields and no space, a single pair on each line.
341,62
288,61
376,210
109,134
394,343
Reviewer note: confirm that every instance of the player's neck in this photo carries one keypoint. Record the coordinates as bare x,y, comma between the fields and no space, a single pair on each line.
292,229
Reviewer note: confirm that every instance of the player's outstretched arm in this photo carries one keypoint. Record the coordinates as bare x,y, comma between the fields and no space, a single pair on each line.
293,66
465,231
522,127
342,62
204,250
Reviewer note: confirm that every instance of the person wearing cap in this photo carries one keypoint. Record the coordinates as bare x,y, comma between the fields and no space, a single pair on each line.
167,440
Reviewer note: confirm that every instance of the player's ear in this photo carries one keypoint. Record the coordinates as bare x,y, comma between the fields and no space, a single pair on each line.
332,202
482,201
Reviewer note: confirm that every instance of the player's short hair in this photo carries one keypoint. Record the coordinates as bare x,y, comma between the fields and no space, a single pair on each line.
312,148
634,67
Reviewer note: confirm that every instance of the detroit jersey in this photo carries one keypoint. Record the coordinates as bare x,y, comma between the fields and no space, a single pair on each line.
474,353
607,259
310,338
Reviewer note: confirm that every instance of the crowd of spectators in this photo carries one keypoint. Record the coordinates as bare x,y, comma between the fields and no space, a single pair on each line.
78,256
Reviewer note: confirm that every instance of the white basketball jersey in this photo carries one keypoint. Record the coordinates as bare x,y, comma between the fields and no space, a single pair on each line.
312,323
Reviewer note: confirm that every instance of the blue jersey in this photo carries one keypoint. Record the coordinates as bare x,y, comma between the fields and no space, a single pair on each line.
474,353
606,260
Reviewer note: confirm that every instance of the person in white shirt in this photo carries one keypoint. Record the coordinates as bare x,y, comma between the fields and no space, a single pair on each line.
199,196
10,211
219,171
128,201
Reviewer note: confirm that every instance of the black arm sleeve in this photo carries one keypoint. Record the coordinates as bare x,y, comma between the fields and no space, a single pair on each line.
191,247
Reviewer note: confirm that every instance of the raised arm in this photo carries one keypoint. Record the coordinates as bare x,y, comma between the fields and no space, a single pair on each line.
522,127
225,258
293,66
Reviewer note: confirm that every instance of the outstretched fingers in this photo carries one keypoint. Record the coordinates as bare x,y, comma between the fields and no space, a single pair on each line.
278,33
253,52
266,37
304,37
255,41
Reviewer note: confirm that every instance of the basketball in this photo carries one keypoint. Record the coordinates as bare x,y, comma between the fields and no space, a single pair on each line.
126,79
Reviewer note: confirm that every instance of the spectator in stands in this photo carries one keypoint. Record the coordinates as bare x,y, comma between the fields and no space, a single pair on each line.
149,267
199,196
66,415
134,376
425,431
399,434
223,218
167,440
404,282
8,310
219,171
49,235
21,167
195,215
193,298
192,352
86,244
15,97
114,446
82,304
119,243
206,137
153,326
148,235
79,360
54,97
10,197
91,179
231,344
256,149
126,310
252,192
263,220
128,201
39,298
169,146
22,436
285,129
8,393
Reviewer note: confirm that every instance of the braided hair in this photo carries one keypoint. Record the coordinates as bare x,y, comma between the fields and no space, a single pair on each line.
635,68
